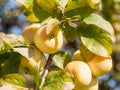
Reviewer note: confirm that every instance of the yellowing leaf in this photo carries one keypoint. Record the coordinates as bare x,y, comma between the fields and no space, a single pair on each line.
61,59
47,5
16,79
77,8
58,80
73,4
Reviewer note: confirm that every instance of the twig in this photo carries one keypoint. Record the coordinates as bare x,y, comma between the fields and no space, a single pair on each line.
46,69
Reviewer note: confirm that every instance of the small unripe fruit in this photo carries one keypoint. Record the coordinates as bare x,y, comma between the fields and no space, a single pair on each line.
30,31
49,42
80,71
36,61
100,65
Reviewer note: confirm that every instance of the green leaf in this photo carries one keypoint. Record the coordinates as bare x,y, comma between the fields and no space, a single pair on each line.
15,79
27,52
96,40
58,80
61,58
3,57
15,40
69,32
9,41
73,4
35,13
10,63
86,54
24,51
30,15
79,12
0,82
4,46
78,7
98,21
48,5
52,8
38,80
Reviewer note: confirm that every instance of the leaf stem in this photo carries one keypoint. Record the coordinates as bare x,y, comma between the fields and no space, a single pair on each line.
46,69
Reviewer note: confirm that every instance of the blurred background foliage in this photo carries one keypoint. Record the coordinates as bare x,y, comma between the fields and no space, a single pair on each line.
13,21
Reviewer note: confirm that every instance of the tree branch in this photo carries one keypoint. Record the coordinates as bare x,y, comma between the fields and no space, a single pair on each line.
46,69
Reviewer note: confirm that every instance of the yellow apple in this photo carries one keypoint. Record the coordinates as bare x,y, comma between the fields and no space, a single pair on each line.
92,86
100,65
77,56
36,61
52,24
30,31
49,42
80,71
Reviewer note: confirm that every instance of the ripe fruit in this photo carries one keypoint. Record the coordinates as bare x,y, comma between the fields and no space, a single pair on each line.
100,65
92,86
30,31
77,56
52,24
35,61
80,71
49,42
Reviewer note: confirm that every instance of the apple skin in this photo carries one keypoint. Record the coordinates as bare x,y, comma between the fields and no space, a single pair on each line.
92,86
100,65
51,25
30,31
80,71
36,61
48,43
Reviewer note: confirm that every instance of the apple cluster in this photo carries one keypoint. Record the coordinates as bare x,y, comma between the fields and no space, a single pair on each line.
47,38
85,73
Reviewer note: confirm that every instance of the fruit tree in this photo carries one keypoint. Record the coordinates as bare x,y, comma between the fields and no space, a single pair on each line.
39,54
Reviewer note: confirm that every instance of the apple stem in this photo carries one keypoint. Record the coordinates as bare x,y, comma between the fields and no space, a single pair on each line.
46,69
